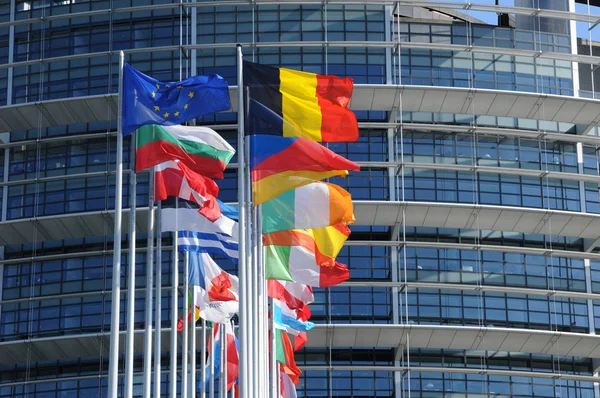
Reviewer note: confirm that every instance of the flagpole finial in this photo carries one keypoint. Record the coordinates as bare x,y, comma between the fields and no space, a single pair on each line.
239,45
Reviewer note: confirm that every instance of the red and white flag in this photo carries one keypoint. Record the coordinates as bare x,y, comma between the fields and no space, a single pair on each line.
173,178
295,295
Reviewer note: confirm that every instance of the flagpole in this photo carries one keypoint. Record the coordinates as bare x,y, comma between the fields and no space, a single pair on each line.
273,354
131,273
113,361
192,387
242,263
158,306
185,334
261,350
149,289
253,328
203,373
223,376
212,361
174,310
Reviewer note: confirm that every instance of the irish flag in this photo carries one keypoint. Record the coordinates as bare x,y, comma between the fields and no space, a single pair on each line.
315,205
200,148
298,264
285,356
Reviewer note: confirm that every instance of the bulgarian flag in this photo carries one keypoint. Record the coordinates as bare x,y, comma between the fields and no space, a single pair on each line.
200,148
298,264
174,178
315,205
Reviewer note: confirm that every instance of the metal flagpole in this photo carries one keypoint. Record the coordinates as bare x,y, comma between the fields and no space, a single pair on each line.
185,334
260,349
223,376
131,273
253,337
211,382
192,387
273,354
113,359
149,287
174,305
158,307
242,261
203,373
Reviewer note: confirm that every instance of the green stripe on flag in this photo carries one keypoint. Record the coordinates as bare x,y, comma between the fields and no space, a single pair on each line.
279,213
151,133
279,351
277,262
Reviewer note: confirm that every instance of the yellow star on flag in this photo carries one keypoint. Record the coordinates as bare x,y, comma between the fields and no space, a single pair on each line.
157,86
191,94
156,108
153,94
185,106
177,113
179,86
166,114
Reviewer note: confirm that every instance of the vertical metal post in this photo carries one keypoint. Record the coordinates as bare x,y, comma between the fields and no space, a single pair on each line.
149,290
203,372
213,335
274,369
113,359
131,273
158,307
192,388
185,334
174,308
223,376
242,262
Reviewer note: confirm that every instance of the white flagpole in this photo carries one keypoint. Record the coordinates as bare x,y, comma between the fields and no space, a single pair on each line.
259,348
203,372
158,307
149,290
174,310
113,361
212,361
131,273
273,354
192,387
223,377
253,330
242,261
185,331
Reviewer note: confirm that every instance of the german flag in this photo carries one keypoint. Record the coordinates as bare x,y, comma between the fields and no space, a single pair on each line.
292,103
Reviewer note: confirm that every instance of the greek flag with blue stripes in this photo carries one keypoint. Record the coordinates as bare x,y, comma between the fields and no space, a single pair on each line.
209,242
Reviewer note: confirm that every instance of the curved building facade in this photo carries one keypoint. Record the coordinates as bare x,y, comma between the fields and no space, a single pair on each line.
475,267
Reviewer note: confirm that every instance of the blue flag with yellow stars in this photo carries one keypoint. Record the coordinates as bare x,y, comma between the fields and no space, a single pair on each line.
149,101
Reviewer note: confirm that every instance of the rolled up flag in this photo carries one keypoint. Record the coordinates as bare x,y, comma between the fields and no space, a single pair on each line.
279,164
315,205
232,355
287,387
293,103
297,264
174,178
201,149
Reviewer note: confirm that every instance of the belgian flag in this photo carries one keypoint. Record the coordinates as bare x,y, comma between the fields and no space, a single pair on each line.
293,103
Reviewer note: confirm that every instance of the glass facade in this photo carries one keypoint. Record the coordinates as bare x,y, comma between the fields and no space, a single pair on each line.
405,277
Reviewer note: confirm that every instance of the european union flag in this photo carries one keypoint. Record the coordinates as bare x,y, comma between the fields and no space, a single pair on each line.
149,101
